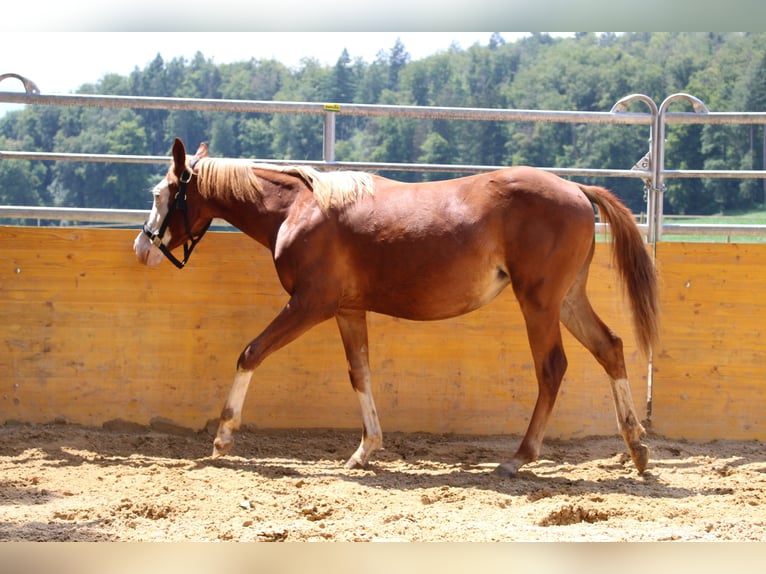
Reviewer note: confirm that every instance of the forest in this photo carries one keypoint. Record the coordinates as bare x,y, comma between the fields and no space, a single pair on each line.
584,72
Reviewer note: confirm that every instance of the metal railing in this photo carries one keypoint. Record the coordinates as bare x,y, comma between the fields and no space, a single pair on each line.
650,168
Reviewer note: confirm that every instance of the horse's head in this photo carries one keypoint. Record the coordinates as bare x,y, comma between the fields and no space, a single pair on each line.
177,216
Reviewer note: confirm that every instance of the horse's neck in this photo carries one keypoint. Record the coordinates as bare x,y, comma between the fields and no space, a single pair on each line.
259,219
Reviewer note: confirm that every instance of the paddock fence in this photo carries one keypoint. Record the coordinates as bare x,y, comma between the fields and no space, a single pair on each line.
92,337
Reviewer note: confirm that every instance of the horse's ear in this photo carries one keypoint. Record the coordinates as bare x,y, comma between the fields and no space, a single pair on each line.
179,157
202,151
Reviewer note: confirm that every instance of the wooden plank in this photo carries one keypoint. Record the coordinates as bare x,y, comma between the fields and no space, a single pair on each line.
90,335
709,365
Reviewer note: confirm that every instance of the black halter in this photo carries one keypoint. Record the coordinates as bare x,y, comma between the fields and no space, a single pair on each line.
179,204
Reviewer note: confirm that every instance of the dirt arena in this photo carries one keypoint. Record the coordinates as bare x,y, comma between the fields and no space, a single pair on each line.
62,482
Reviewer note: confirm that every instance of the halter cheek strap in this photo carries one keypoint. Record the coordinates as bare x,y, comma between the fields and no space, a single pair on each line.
179,204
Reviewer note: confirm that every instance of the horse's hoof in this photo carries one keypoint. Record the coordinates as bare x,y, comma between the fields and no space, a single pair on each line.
506,470
221,447
640,456
354,462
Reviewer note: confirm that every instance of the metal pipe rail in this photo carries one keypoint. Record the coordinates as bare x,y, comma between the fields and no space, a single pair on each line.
83,157
386,166
274,107
83,214
126,216
372,166
714,229
650,168
373,110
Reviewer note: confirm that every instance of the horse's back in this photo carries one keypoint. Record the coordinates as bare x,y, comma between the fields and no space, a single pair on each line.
439,249
490,190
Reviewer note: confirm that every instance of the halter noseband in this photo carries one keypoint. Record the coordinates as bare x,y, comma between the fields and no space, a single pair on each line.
179,204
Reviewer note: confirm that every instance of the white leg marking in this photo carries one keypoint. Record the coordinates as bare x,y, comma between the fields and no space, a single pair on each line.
370,415
231,416
372,439
627,419
630,427
237,394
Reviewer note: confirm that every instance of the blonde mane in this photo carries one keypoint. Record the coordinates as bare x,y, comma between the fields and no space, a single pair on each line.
236,178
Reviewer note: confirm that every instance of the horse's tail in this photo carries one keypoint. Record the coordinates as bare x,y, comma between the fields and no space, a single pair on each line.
633,262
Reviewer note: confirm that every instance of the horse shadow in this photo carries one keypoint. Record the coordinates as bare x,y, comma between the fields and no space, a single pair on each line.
410,461
434,461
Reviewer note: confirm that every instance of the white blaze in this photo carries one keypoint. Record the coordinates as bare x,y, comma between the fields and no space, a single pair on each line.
145,251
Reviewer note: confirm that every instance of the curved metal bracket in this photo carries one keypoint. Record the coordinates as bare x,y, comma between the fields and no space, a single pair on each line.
649,162
645,163
29,86
698,105
623,103
655,159
699,108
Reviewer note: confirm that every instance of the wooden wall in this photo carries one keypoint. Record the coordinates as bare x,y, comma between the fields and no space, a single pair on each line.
710,366
89,335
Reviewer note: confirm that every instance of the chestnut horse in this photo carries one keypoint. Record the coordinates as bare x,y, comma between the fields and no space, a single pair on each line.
345,243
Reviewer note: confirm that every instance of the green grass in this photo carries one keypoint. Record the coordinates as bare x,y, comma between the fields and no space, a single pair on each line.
754,217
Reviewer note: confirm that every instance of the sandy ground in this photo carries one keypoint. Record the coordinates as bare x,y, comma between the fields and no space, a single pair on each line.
69,483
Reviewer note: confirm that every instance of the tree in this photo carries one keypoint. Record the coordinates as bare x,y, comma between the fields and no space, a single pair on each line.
21,181
495,41
394,139
373,80
201,80
300,137
586,72
156,80
755,100
397,60
104,185
255,138
191,126
340,82
435,150
125,185
223,139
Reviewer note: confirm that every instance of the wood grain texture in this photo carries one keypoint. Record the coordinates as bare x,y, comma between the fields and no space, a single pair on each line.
709,365
89,335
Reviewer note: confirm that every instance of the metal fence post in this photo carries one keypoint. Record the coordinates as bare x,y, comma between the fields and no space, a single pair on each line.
328,147
651,159
659,165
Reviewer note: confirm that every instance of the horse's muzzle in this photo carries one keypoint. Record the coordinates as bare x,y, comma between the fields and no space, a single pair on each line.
146,253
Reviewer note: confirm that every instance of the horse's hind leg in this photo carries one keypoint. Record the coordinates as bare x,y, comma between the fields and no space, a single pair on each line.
550,361
353,331
581,320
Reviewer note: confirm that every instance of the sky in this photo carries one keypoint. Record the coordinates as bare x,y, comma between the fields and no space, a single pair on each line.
60,62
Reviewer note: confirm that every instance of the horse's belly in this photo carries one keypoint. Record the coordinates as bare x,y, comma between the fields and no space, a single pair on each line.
441,297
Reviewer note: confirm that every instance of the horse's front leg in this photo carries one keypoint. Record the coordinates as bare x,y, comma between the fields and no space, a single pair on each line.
295,319
353,331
